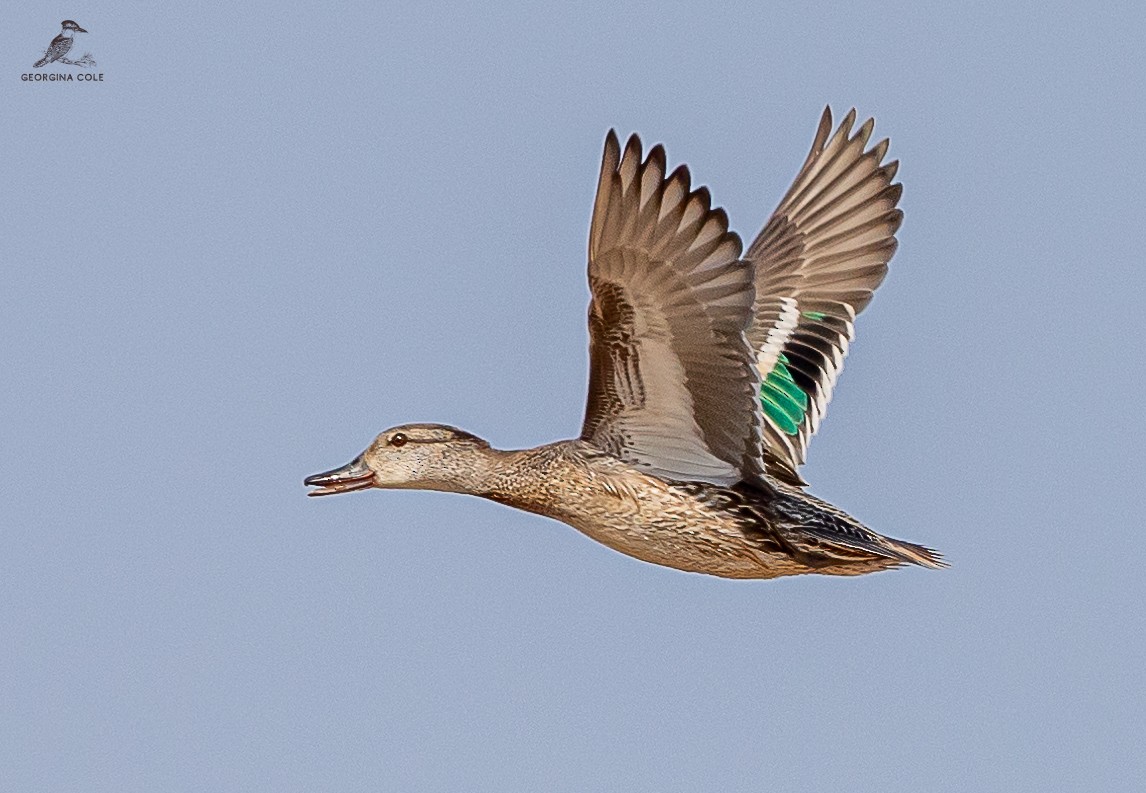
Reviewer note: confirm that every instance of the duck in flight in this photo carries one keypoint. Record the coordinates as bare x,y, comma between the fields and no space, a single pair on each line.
710,370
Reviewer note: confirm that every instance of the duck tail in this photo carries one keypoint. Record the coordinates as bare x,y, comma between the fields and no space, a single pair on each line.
859,538
853,536
820,528
915,554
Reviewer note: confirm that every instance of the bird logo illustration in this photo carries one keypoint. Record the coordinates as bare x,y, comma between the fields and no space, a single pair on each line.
61,45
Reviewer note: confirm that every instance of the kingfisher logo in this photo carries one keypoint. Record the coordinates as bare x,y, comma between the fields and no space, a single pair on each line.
62,52
61,47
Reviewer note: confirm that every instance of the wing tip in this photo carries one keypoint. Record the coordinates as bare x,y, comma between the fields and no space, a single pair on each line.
848,122
612,145
632,147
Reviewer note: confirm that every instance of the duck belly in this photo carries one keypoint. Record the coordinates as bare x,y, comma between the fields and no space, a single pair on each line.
675,530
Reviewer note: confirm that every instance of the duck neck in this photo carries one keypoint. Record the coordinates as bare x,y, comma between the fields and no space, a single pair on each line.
514,477
485,472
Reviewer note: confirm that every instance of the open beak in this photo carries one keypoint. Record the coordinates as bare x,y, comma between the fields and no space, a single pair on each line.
352,476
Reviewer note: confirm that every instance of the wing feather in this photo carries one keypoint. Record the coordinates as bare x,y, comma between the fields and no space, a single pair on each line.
818,260
672,385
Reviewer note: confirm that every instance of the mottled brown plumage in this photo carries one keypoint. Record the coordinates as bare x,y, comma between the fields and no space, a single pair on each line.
678,463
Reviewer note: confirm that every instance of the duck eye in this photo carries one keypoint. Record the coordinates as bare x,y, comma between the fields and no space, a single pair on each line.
398,439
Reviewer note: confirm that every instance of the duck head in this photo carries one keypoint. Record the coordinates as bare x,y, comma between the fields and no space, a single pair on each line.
412,456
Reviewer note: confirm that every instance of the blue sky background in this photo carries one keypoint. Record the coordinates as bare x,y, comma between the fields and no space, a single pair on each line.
274,231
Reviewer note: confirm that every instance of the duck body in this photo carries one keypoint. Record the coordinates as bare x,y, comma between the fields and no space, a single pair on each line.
749,530
710,369
692,526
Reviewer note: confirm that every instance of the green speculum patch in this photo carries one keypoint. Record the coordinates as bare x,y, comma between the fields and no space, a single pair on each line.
784,402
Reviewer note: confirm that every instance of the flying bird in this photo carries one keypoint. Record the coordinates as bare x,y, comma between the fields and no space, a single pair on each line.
61,45
710,370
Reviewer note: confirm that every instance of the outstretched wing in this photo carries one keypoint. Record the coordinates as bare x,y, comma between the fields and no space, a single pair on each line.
672,389
818,259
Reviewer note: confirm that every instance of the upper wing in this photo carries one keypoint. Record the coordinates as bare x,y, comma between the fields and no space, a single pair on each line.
818,259
672,388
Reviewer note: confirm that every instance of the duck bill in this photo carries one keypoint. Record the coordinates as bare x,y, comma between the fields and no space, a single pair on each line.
352,476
